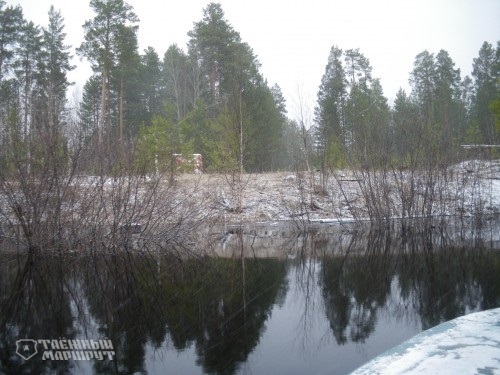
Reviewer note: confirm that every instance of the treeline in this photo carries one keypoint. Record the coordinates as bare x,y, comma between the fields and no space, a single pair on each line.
138,109
211,99
356,126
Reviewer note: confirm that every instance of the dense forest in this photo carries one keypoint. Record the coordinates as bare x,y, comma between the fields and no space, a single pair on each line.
138,109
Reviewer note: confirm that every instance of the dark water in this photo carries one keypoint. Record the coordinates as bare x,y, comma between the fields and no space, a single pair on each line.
324,302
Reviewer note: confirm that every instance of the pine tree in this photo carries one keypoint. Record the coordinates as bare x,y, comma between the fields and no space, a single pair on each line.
407,132
236,95
447,96
357,112
125,75
28,68
90,107
102,35
176,71
330,137
486,75
212,44
11,20
57,65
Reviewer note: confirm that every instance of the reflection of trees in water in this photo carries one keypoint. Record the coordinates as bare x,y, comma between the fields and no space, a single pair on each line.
355,286
220,306
306,275
226,329
115,301
438,283
139,299
443,283
34,304
198,301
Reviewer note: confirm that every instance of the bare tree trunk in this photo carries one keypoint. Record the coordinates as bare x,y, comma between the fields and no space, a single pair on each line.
195,82
212,81
240,174
241,136
122,108
177,91
102,115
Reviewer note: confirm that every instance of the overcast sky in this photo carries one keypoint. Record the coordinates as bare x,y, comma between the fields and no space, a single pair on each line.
292,39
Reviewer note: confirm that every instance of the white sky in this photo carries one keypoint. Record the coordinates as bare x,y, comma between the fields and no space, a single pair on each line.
292,38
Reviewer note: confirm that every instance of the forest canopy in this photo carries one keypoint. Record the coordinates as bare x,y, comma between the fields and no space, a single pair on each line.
140,108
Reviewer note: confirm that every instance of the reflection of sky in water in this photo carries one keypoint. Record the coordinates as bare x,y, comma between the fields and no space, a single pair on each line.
297,338
168,361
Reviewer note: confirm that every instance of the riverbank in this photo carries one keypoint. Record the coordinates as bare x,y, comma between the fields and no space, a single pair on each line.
88,210
464,190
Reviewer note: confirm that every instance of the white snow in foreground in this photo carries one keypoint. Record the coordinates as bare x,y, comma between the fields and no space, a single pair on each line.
466,345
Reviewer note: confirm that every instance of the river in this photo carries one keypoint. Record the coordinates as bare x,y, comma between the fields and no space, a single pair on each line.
252,299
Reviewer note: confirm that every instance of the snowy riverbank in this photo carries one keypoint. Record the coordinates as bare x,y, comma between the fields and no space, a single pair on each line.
465,189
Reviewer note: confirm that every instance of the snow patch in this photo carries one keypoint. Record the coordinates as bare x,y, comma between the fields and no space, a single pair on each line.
466,345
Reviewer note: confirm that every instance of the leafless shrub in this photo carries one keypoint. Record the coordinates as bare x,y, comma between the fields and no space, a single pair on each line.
46,205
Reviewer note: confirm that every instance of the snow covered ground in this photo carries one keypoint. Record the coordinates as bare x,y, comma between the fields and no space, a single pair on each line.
466,345
467,189
470,189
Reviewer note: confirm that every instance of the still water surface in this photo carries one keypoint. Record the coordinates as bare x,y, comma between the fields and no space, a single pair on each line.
324,302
